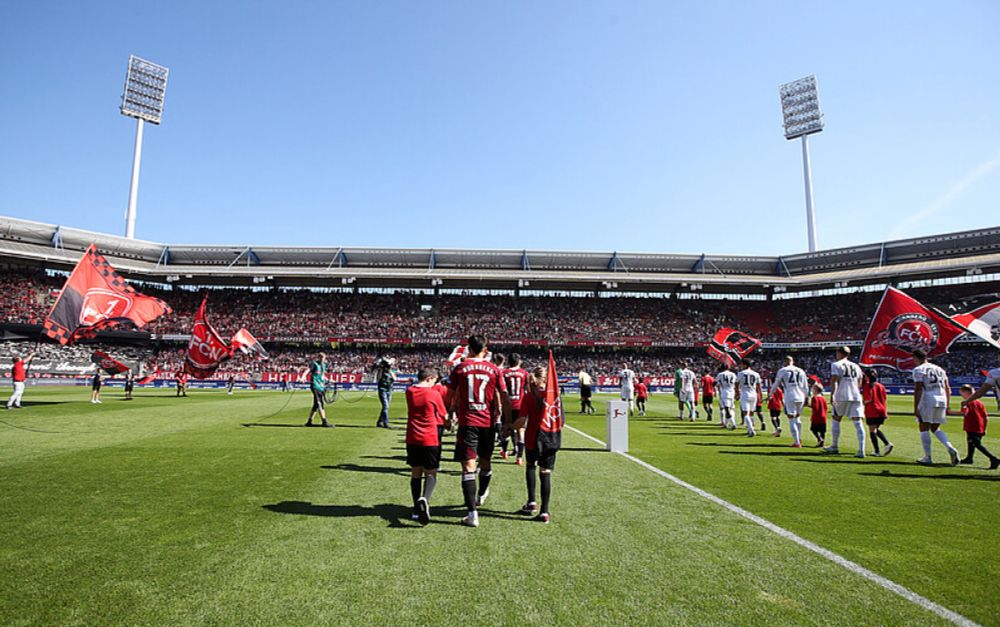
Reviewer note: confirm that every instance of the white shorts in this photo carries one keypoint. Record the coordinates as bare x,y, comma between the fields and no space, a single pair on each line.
933,415
793,408
849,409
686,396
627,394
725,401
748,403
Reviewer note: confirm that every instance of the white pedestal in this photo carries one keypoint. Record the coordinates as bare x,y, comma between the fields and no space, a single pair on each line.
617,420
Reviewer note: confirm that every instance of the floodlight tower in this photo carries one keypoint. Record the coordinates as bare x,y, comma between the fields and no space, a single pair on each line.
800,108
145,88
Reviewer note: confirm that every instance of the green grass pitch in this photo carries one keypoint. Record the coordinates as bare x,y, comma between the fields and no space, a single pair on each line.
171,511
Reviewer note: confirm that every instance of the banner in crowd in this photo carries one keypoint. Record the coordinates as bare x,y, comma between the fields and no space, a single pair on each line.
207,350
983,322
729,346
902,325
107,363
96,297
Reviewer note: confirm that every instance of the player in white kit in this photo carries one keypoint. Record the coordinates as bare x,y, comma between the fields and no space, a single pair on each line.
686,396
930,405
793,382
626,381
748,388
725,386
847,401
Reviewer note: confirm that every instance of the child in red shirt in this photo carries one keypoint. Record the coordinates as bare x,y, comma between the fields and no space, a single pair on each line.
974,426
425,417
775,401
641,394
873,395
817,420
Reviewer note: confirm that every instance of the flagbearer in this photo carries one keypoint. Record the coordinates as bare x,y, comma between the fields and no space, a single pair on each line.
129,384
95,387
317,384
19,374
181,378
542,409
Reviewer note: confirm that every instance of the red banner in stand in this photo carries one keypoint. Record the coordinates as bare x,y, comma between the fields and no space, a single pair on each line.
902,325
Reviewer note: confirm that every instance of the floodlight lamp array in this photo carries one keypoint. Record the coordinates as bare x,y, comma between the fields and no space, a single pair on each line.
800,107
145,90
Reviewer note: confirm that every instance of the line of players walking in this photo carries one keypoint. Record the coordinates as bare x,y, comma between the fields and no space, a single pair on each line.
856,395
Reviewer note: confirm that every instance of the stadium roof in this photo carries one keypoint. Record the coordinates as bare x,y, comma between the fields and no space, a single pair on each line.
951,254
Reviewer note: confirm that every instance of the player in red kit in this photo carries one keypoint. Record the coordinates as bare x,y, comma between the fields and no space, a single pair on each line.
708,395
480,394
516,380
641,396
425,416
775,401
974,426
817,419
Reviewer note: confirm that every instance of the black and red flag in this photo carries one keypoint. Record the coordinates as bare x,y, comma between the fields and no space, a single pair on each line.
248,344
207,350
107,363
550,429
729,346
96,297
902,325
149,378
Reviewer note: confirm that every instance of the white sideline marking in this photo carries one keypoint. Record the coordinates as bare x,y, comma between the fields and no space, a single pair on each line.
854,567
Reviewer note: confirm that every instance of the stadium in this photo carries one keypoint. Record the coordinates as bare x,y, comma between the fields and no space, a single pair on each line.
497,411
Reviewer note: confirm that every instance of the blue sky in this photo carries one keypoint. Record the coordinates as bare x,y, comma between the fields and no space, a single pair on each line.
639,126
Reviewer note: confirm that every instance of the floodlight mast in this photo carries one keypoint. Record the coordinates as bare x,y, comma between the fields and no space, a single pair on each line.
803,117
145,89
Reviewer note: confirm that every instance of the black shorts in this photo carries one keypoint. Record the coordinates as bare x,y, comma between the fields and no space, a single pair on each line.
875,422
474,442
706,399
129,386
818,427
775,413
319,400
96,387
427,457
585,392
546,460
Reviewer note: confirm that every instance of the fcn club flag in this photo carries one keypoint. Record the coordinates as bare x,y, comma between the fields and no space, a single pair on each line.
984,322
206,350
107,363
96,297
730,345
248,344
550,429
902,325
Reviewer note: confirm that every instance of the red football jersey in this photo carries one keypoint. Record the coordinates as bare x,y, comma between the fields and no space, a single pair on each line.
776,399
445,398
476,384
708,385
641,391
534,409
874,399
425,411
975,417
516,380
19,372
819,409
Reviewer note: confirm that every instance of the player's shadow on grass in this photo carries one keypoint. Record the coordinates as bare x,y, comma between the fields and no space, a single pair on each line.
397,515
850,459
743,444
962,477
384,470
765,453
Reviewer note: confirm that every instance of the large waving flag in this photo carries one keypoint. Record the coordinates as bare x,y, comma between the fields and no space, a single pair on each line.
902,325
96,297
107,363
206,350
729,346
983,322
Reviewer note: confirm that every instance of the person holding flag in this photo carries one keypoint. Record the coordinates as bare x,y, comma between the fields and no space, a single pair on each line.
543,411
19,375
129,384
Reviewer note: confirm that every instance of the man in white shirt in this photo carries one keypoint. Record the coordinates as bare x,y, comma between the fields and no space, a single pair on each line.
748,388
626,380
686,396
725,384
930,405
845,377
792,381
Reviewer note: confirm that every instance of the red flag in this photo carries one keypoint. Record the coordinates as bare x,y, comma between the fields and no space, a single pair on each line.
550,429
206,350
902,325
983,322
458,353
149,378
108,363
247,344
730,345
96,297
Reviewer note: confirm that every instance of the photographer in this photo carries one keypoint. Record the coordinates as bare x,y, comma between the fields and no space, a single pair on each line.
385,375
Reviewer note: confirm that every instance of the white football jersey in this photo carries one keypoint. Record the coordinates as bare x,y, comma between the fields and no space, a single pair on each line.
749,380
627,378
849,386
726,382
793,381
993,378
687,381
934,379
